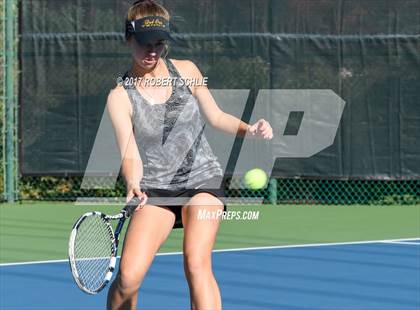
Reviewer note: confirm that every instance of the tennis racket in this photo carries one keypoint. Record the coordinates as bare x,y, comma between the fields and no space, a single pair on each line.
93,247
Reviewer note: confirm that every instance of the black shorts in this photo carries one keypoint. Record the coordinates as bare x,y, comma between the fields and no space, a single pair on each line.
214,186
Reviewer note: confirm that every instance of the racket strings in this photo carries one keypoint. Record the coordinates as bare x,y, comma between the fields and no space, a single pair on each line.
93,249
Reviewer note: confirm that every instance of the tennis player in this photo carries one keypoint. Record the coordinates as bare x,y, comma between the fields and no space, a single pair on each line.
145,117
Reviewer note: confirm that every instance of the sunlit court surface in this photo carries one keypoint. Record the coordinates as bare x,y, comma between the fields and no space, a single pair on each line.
208,155
293,257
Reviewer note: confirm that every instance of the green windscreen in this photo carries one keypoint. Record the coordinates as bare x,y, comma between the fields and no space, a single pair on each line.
366,52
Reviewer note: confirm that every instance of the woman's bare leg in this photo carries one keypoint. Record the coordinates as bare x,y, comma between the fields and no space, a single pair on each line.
199,239
148,229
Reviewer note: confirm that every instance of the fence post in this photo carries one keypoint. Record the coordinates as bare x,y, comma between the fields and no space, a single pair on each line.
10,173
272,191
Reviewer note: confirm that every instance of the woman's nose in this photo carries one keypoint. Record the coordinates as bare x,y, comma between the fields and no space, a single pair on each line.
151,49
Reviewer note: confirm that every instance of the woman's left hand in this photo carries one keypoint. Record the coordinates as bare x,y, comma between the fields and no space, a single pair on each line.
261,129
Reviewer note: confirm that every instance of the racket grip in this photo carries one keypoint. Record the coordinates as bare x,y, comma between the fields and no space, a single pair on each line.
132,205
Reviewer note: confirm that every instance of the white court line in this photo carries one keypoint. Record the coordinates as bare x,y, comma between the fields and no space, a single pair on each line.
387,241
401,242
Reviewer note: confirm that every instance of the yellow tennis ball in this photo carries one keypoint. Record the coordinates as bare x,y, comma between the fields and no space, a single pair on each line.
255,179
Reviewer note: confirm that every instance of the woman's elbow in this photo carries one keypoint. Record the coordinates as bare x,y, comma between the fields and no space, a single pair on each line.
216,119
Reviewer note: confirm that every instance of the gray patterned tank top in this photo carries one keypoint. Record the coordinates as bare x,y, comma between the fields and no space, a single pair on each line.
170,137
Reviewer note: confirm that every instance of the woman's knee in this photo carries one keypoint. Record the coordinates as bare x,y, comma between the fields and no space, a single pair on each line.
128,281
197,265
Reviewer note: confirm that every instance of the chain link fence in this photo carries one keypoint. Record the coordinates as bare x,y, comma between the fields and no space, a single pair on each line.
280,191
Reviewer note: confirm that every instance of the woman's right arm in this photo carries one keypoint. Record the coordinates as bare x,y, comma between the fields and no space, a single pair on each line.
119,111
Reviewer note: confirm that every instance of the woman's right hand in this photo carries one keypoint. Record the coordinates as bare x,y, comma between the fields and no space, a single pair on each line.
135,191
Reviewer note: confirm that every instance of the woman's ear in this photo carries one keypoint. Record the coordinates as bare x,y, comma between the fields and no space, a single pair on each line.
129,41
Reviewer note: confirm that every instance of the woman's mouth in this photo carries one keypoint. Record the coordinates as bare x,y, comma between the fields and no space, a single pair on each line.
149,61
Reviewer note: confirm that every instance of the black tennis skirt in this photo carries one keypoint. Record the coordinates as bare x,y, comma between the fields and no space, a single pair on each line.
214,186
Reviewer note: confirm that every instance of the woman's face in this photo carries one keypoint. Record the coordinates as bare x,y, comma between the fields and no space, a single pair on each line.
147,55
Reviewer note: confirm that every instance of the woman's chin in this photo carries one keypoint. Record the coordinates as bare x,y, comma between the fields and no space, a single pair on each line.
146,65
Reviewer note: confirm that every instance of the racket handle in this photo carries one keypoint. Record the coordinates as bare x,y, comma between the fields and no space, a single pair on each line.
132,205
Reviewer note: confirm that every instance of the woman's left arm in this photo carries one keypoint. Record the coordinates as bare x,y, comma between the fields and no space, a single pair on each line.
221,120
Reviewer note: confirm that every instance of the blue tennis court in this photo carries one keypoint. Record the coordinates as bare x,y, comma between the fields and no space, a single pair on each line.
366,275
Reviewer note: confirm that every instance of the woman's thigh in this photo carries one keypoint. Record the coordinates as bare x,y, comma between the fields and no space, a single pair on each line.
200,234
148,229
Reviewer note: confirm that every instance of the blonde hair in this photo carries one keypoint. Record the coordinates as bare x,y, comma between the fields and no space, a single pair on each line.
143,8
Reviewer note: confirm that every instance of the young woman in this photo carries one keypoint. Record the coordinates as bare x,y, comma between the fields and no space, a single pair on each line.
145,117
